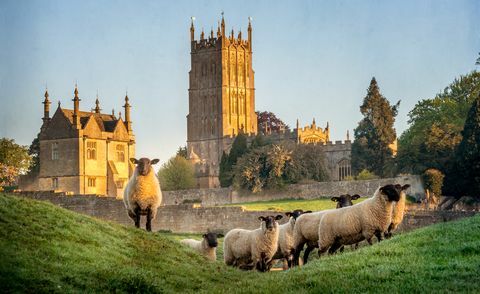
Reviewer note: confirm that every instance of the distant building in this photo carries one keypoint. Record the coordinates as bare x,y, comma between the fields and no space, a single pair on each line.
222,104
84,152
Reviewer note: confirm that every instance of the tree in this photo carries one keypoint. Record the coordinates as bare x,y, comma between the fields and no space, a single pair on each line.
182,151
239,147
14,161
34,152
468,154
435,127
177,174
269,122
374,133
308,163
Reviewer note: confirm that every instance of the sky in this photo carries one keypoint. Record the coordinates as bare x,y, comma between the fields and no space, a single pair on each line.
311,59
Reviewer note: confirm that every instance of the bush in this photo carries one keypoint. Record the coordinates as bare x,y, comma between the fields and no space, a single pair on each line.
366,175
433,181
177,174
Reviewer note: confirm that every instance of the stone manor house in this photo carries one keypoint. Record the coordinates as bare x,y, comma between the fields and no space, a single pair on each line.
222,104
83,152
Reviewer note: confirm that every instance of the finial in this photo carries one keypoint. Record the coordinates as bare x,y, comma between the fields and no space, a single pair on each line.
232,33
348,135
113,111
202,35
97,105
119,115
76,90
313,122
211,33
192,29
298,124
46,94
327,125
240,35
58,103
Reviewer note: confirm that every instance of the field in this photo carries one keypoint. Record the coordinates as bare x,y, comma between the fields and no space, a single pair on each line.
48,249
291,204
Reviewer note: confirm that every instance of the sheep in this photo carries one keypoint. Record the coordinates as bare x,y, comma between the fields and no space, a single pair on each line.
285,239
248,249
206,247
350,225
142,195
306,228
398,212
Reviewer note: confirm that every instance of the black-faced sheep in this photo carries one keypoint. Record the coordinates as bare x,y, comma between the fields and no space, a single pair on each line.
207,246
398,212
350,225
142,195
344,200
248,249
285,239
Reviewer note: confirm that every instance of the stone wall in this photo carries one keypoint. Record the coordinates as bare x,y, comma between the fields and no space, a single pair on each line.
222,196
188,218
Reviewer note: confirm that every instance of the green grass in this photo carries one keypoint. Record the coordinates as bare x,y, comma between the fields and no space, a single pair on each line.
291,204
44,248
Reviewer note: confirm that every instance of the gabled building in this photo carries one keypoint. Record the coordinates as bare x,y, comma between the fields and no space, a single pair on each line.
84,152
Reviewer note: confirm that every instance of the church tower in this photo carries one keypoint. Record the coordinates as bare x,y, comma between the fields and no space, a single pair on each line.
221,97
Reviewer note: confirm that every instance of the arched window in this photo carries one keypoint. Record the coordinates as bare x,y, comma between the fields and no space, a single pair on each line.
92,150
344,169
120,150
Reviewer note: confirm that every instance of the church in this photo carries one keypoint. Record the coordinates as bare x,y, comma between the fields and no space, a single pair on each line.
221,99
83,152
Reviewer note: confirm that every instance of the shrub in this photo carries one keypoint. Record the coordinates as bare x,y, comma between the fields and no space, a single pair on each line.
177,174
433,180
366,175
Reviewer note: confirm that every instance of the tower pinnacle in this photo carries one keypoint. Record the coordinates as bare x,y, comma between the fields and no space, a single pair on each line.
97,105
76,108
128,122
192,30
46,107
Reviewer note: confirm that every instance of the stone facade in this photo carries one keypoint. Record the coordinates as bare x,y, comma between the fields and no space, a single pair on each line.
84,152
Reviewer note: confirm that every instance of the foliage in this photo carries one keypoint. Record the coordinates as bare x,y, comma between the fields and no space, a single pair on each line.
182,151
177,174
34,152
433,180
8,175
263,167
467,167
308,163
227,163
366,175
435,127
375,133
12,154
269,122
259,141
48,249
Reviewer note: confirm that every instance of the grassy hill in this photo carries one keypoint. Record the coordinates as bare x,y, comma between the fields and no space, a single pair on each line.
46,248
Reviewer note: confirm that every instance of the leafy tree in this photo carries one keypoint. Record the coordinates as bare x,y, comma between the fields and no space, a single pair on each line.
177,174
374,133
433,179
468,154
308,163
12,154
268,120
182,151
435,127
239,147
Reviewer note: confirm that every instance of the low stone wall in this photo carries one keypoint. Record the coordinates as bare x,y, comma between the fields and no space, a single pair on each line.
187,218
222,196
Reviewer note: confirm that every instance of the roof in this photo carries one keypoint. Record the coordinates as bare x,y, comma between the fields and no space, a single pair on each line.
107,122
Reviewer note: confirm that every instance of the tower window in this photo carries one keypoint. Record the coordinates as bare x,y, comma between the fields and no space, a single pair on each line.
55,151
92,150
120,151
92,182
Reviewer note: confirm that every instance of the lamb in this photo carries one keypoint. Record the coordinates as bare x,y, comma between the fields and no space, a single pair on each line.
398,212
206,247
306,228
248,249
350,225
285,239
142,195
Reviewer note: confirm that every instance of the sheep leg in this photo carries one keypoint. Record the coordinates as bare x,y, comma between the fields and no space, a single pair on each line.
369,240
379,235
342,249
137,217
296,254
307,253
149,219
336,244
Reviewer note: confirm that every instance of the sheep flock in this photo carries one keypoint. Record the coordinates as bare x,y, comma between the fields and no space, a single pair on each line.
258,249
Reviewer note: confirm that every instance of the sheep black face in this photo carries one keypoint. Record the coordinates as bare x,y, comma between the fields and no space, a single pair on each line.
212,239
270,221
393,191
296,213
143,165
345,200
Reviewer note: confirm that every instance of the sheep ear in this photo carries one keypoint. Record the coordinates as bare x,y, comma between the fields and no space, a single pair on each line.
204,235
355,197
335,199
288,214
133,160
261,218
154,161
278,217
405,187
308,211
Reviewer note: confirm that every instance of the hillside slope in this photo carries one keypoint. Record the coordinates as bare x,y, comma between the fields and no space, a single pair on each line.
46,248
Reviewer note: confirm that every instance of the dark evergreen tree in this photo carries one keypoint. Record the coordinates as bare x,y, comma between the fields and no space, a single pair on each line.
239,147
34,152
374,134
468,154
182,151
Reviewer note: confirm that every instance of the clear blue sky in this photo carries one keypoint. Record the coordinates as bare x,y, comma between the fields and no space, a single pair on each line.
311,58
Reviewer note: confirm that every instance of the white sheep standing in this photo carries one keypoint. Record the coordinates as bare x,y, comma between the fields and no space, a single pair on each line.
398,212
362,221
142,195
285,239
250,249
206,247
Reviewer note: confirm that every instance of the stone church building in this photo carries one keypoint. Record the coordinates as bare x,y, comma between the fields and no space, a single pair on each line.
84,152
222,104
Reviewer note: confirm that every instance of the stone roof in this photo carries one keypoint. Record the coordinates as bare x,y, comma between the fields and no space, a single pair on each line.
107,122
